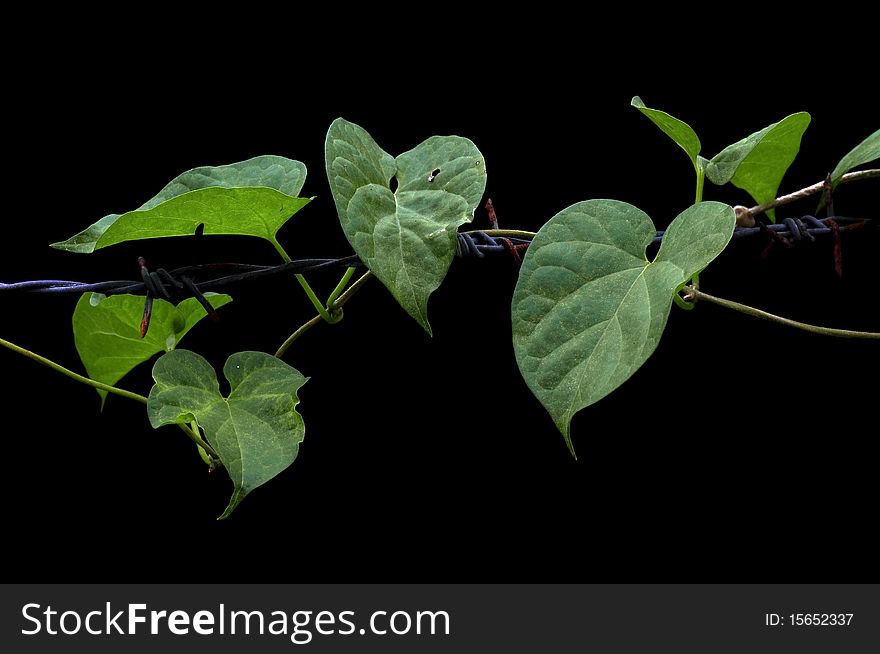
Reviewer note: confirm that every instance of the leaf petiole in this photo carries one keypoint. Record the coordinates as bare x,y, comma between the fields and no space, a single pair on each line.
320,308
313,298
700,168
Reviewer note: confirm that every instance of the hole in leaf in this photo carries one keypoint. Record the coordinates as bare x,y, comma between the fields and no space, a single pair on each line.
433,174
393,184
200,229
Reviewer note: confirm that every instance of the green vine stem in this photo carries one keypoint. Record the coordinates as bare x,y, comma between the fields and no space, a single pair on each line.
701,179
335,307
313,298
345,297
302,329
340,286
198,440
65,371
322,311
693,294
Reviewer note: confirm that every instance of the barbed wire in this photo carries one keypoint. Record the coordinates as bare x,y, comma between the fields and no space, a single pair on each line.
475,243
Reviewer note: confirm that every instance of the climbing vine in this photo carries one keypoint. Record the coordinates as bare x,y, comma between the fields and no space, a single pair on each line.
589,307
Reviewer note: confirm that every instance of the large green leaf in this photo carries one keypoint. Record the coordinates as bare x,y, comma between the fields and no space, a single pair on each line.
758,162
250,198
255,430
679,131
865,152
106,331
406,237
589,308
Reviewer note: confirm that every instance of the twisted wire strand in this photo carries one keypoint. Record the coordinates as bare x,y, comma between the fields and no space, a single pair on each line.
475,243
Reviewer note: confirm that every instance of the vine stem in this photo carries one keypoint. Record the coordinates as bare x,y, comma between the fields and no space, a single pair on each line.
345,297
198,440
333,305
694,294
811,190
701,179
340,286
65,371
313,298
302,329
322,311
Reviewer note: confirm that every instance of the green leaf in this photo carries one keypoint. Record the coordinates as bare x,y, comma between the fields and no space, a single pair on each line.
589,308
255,430
758,162
106,331
677,130
407,237
250,198
865,152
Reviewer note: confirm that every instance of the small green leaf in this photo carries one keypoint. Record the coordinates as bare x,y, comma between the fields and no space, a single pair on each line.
865,152
679,131
589,308
406,237
758,162
255,430
106,331
250,198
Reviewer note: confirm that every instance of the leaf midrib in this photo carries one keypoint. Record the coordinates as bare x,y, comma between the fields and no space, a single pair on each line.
412,291
569,414
157,209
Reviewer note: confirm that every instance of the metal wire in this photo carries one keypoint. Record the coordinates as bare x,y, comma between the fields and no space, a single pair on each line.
470,244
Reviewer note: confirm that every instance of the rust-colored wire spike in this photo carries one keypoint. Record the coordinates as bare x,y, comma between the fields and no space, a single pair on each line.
490,209
835,228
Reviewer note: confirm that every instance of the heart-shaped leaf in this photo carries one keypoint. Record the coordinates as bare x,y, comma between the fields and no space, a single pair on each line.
589,308
679,131
249,198
106,331
865,152
406,237
758,162
255,430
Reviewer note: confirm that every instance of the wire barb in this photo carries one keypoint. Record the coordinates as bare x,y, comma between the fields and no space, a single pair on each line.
490,209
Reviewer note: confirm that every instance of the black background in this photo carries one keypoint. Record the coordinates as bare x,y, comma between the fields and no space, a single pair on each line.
741,451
